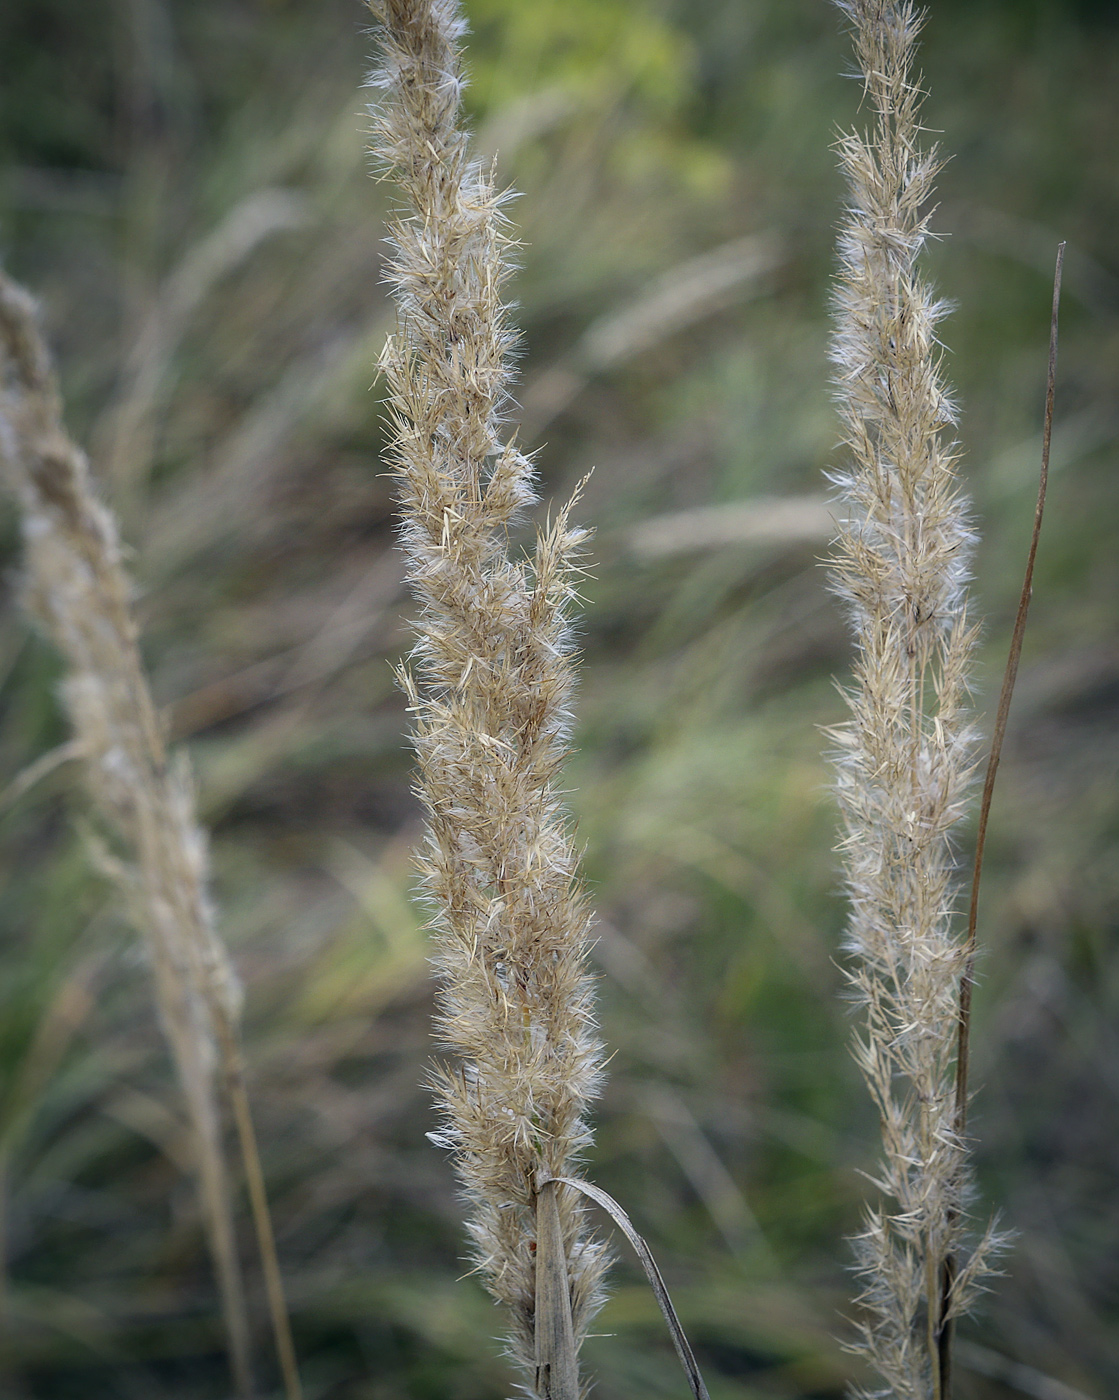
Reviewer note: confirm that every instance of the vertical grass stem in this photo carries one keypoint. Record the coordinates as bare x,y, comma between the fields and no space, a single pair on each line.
945,1327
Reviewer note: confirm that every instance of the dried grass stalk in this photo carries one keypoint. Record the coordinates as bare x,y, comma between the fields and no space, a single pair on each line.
490,683
78,588
906,756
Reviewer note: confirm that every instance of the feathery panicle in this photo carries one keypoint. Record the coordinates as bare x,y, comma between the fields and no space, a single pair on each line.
490,683
76,586
79,590
906,757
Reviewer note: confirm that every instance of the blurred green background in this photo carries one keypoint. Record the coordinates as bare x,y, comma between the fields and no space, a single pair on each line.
184,182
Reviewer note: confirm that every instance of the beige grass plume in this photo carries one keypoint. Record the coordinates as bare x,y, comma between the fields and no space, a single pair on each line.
78,588
489,684
906,756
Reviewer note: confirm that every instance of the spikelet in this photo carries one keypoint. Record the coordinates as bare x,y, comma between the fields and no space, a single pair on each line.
906,757
489,684
77,587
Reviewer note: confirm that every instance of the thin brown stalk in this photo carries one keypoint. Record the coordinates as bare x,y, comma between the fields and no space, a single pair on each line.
1006,694
78,588
233,1068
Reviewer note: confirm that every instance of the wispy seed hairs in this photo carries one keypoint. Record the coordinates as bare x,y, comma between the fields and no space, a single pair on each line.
906,757
489,683
77,588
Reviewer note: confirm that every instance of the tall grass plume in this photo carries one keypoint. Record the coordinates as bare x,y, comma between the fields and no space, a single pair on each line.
906,757
489,683
77,587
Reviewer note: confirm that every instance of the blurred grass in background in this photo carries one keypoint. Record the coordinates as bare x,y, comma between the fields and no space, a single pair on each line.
184,183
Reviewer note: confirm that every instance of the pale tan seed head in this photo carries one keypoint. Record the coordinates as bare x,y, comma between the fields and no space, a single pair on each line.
905,759
489,684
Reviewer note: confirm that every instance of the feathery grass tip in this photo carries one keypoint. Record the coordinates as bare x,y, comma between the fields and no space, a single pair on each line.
906,757
489,684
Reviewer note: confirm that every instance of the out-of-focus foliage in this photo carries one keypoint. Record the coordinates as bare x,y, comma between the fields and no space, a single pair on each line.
184,182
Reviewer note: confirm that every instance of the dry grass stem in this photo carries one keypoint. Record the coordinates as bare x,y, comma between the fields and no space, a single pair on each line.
906,757
963,1028
653,1274
683,295
489,685
78,588
765,521
1003,712
133,430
